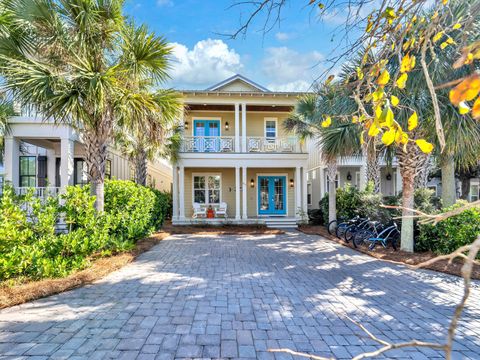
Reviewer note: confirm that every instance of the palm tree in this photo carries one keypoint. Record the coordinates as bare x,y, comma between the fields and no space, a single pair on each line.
6,110
73,61
339,139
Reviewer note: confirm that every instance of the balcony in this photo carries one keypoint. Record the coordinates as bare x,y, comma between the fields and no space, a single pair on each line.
253,144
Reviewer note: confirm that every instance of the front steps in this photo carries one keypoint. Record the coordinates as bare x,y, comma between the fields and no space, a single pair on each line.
281,222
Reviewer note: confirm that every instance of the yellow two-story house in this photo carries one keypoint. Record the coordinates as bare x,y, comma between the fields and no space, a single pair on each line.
236,163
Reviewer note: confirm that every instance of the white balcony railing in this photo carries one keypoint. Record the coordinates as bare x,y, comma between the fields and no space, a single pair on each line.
40,192
217,144
273,145
226,144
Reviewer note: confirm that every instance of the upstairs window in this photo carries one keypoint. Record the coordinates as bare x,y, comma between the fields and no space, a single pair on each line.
271,128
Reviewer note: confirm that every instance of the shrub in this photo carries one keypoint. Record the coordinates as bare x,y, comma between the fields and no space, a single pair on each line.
29,246
449,234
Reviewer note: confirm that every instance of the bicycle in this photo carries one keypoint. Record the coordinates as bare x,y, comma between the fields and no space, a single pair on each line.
370,230
332,226
350,232
342,227
390,234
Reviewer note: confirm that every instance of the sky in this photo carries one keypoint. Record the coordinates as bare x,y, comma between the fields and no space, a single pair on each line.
287,58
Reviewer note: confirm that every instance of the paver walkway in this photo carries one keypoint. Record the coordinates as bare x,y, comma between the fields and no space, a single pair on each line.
236,296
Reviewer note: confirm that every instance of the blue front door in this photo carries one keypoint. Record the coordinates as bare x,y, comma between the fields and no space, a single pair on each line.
208,133
272,195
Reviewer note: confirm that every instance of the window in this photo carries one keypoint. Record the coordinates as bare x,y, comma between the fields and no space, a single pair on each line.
206,189
314,174
270,128
28,171
80,176
309,194
474,188
327,188
108,169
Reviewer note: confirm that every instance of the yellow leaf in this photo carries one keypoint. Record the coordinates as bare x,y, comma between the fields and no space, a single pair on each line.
321,6
437,37
424,145
386,119
327,122
402,81
408,63
329,79
457,26
412,121
443,45
355,119
394,100
467,90
388,137
369,25
463,108
378,112
378,95
401,137
476,109
374,130
445,2
359,73
383,78
362,140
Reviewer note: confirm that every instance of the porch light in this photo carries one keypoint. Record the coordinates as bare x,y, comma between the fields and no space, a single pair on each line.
186,125
291,183
252,183
227,126
349,176
389,177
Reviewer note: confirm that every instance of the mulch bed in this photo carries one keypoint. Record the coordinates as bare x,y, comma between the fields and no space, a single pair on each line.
399,257
15,293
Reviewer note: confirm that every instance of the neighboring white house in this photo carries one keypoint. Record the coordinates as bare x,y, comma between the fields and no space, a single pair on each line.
47,156
235,154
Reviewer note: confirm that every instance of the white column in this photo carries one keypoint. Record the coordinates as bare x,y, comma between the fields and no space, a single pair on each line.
51,160
363,175
11,160
181,196
66,162
399,180
244,193
298,191
244,127
237,127
237,192
304,190
175,193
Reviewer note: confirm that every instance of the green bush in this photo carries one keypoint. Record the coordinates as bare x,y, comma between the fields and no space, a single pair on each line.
30,248
449,234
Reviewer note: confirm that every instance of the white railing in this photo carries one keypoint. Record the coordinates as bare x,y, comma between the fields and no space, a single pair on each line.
273,145
218,144
40,192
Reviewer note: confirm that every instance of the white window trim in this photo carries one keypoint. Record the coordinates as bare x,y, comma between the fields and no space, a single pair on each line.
470,191
206,187
357,179
265,126
193,119
309,185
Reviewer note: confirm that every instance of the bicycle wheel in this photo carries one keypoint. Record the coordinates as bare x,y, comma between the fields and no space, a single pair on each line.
361,236
340,231
332,226
350,233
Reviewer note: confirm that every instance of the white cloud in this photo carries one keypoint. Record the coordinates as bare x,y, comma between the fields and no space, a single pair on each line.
282,36
290,70
209,61
164,3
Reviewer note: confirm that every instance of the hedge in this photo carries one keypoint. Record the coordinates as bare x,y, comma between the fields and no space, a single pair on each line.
30,248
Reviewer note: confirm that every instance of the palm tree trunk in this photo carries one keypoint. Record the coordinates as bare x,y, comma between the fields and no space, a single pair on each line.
96,144
421,179
141,167
409,162
465,187
449,189
332,191
373,165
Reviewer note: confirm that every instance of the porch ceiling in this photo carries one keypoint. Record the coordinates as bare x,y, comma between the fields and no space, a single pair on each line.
223,107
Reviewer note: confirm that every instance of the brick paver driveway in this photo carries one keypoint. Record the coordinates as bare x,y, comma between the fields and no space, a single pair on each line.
237,296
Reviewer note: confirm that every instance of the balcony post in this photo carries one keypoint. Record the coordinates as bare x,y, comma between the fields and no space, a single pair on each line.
244,193
237,192
175,194
298,191
12,160
237,127
304,191
244,127
181,197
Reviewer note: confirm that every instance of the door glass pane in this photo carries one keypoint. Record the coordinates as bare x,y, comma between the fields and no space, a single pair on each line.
264,194
199,128
278,198
213,129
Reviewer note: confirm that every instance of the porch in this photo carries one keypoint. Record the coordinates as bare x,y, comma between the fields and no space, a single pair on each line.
272,196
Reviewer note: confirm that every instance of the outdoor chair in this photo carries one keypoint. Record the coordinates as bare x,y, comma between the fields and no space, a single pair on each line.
198,211
221,211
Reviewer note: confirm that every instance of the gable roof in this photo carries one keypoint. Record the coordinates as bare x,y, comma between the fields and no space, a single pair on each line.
236,78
